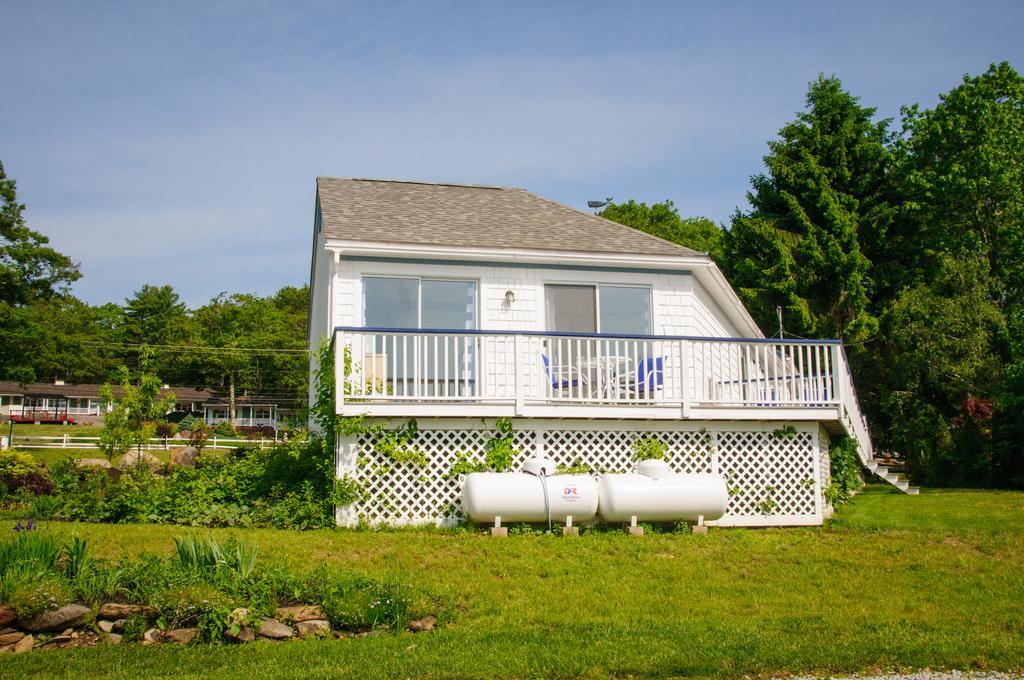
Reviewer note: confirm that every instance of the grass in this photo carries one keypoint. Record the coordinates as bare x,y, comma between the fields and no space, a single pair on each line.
51,456
895,581
33,430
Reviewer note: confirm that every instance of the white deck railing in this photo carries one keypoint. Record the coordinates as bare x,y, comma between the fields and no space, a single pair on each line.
394,366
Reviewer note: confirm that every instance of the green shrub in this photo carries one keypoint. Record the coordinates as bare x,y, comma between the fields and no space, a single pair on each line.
845,477
188,422
30,590
649,448
166,430
224,429
20,471
135,627
181,606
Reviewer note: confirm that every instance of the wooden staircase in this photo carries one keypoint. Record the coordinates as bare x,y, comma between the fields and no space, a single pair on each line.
882,468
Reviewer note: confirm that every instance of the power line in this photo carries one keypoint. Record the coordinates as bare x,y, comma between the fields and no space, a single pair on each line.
199,348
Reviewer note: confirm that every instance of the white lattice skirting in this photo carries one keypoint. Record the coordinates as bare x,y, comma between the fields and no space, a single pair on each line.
774,479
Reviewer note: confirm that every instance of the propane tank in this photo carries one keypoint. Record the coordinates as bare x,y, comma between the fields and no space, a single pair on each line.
533,495
656,494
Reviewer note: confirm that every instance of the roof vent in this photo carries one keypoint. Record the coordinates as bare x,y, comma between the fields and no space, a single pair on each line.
58,382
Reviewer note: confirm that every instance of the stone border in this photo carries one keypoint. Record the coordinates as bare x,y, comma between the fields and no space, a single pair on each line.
74,626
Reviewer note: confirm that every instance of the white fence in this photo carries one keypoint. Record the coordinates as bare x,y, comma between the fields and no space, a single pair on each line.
70,441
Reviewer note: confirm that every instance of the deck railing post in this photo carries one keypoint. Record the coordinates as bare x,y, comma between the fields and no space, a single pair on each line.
684,373
339,374
838,373
517,354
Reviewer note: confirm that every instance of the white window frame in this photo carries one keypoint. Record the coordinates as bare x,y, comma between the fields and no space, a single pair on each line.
597,299
419,293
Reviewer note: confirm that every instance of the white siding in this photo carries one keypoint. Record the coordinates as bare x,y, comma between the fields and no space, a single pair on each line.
680,306
319,323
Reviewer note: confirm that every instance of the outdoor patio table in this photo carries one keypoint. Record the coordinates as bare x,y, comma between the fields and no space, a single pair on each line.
604,375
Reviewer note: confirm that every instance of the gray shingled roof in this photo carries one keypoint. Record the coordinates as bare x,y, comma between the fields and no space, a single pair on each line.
82,390
472,216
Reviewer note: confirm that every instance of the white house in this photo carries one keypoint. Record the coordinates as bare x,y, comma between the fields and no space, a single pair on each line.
59,402
461,304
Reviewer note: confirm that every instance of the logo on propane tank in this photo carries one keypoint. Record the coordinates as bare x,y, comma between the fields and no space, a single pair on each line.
570,493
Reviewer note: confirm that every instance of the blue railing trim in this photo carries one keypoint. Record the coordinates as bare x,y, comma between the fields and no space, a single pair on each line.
598,336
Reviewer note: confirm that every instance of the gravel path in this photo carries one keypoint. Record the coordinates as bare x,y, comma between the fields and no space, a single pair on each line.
932,675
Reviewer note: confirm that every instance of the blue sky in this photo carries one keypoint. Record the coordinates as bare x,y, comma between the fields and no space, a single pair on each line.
178,143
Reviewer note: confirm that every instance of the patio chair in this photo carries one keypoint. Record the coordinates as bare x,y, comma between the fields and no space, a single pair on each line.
649,376
563,378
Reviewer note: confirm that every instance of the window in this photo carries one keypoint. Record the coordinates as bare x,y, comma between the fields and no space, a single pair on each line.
419,303
625,309
599,309
446,363
391,303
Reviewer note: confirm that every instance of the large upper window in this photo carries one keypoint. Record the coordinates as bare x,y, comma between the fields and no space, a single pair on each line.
575,308
419,303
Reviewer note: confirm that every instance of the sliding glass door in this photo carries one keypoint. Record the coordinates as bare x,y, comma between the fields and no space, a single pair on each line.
593,365
424,365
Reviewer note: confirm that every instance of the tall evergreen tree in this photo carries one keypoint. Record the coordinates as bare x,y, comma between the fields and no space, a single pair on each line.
821,205
155,315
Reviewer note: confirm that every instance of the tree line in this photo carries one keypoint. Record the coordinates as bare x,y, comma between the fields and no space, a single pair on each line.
236,343
906,241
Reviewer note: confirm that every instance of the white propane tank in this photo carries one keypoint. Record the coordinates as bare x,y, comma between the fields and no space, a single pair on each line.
519,497
656,494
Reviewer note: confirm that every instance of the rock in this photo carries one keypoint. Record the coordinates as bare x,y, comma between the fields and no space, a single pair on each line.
151,636
274,630
314,628
424,625
112,639
57,619
114,473
244,634
116,610
303,612
6,615
118,626
185,456
10,638
24,644
237,616
106,626
59,640
93,463
182,636
138,457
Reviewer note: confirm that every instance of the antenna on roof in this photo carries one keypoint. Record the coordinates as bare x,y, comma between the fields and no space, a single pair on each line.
778,313
599,204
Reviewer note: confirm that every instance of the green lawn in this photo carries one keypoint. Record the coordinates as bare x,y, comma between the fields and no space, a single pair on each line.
32,430
894,582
